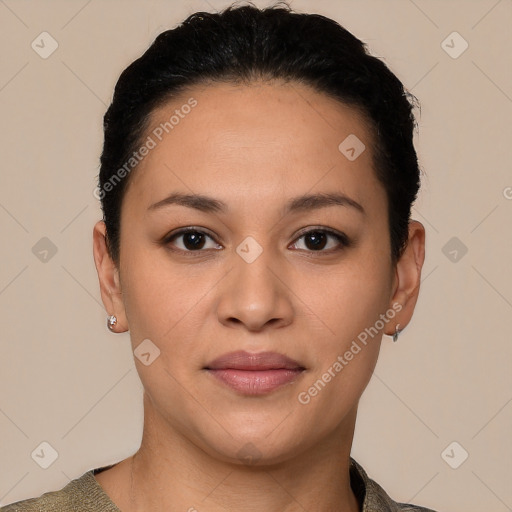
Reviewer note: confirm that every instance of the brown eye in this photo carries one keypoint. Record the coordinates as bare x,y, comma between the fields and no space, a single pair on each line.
318,239
191,240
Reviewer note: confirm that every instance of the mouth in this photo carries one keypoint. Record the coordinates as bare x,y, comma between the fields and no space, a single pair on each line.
254,373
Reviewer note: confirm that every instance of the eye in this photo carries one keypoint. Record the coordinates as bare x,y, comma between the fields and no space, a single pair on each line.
315,240
318,239
193,240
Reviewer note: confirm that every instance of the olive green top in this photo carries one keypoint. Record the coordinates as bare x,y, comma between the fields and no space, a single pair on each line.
85,494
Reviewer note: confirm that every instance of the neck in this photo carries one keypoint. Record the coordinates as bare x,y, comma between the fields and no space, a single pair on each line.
172,473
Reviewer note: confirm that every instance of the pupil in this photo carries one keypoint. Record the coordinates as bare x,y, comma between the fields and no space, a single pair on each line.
317,238
196,240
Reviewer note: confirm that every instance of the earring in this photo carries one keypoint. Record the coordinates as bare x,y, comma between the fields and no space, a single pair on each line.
397,332
111,321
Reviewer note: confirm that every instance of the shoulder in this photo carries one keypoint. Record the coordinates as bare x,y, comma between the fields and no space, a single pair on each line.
373,496
83,494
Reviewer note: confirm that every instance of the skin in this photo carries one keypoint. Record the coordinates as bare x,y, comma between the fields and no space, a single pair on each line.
253,147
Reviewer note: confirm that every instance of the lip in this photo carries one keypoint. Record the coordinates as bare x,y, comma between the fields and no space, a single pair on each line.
254,373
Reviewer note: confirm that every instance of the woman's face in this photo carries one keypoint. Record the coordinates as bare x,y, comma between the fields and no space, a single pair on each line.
249,277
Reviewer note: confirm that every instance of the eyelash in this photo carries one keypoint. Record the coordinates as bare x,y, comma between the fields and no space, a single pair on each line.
341,238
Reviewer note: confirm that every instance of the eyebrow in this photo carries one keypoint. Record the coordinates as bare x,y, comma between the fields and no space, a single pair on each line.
296,204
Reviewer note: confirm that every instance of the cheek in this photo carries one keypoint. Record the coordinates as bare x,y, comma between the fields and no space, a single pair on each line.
160,306
170,306
344,363
343,301
347,309
155,295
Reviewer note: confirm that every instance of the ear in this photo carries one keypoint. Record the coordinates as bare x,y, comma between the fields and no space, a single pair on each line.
406,282
108,275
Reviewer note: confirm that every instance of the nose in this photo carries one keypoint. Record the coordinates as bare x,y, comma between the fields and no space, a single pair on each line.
255,295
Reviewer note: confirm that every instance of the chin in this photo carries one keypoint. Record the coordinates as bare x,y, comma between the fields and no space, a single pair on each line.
256,452
253,445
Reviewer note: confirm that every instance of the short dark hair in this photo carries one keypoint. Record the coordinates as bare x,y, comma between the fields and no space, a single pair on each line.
242,44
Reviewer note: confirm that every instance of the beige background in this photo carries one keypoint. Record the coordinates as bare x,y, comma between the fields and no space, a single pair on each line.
67,381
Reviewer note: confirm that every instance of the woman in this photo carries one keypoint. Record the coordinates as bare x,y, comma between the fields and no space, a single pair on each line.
256,181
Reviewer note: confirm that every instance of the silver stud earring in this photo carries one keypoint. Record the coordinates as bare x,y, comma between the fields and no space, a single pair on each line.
111,321
397,332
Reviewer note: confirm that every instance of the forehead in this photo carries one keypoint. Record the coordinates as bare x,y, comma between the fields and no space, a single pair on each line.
246,142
